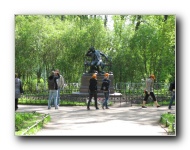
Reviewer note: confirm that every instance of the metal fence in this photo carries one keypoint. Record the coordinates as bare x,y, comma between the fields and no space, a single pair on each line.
131,93
134,92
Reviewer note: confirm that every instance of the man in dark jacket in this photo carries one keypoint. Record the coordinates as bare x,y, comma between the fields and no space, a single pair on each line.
92,91
18,90
53,89
172,89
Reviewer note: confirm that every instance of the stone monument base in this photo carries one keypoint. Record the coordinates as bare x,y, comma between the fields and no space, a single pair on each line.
85,82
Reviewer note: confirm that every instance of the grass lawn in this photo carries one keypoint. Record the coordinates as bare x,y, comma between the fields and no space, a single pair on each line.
167,120
28,123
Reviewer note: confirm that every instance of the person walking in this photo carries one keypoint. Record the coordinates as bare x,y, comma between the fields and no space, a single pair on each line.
18,90
60,83
92,91
106,89
172,89
149,91
53,89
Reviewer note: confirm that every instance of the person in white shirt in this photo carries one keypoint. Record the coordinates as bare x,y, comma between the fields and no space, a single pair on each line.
149,91
60,83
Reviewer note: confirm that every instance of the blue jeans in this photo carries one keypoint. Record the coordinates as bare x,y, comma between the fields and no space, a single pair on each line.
172,99
106,95
52,95
58,96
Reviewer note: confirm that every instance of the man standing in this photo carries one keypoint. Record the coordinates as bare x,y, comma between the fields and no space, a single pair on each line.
172,89
93,91
149,91
60,83
18,90
53,89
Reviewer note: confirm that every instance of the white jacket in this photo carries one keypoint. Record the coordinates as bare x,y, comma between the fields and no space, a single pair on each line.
60,82
149,85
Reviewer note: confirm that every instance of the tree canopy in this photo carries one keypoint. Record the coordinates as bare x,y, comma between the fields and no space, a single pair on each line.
139,45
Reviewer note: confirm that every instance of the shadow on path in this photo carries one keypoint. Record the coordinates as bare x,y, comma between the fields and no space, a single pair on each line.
116,121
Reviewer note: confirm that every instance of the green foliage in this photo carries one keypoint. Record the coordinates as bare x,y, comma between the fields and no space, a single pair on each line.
163,103
28,101
25,101
138,45
25,121
167,120
32,102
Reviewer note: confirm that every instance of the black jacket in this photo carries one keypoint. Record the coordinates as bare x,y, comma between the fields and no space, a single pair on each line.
105,84
172,86
52,84
93,84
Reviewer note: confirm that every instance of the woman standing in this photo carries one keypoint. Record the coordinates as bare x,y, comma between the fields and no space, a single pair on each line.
18,90
106,89
92,91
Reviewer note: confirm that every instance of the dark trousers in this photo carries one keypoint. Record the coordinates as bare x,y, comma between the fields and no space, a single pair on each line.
16,103
92,94
147,95
171,100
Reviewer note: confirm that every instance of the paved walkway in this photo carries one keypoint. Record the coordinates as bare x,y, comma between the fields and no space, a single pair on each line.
116,121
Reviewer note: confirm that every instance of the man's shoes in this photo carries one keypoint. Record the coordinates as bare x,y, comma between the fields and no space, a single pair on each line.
97,108
88,108
102,107
144,107
169,108
107,108
158,106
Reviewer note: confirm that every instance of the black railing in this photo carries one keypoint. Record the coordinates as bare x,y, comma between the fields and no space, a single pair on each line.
131,93
134,92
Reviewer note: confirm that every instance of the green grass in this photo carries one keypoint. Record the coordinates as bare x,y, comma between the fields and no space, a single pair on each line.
45,102
162,103
25,120
167,120
25,101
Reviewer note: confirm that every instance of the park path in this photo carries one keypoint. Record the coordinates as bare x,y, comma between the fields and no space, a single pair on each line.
116,121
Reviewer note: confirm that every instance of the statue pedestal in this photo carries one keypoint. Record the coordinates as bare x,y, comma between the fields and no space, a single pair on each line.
85,82
83,91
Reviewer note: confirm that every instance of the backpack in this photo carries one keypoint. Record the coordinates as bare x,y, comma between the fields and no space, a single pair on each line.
93,84
105,85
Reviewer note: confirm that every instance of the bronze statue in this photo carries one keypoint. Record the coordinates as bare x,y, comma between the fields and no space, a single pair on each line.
96,60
